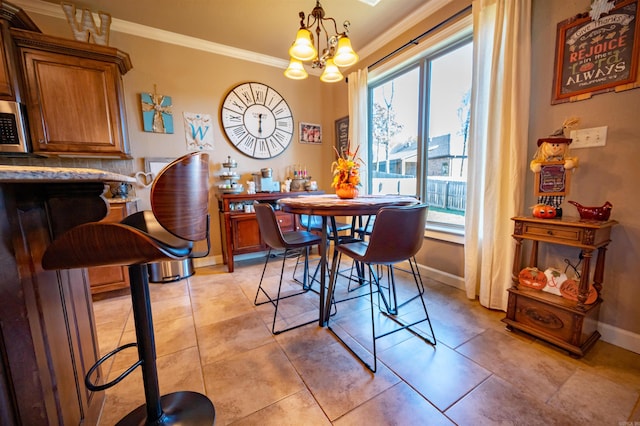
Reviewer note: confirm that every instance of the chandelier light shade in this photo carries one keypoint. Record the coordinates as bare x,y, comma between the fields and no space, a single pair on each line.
331,72
302,49
336,50
345,56
295,70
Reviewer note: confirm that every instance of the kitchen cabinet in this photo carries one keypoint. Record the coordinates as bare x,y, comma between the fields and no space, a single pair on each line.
6,83
239,228
74,96
109,278
571,325
48,337
11,16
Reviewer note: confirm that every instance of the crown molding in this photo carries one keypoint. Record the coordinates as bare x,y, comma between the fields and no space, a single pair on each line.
420,14
126,27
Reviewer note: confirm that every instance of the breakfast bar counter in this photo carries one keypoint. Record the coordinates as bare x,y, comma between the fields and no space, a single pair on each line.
47,328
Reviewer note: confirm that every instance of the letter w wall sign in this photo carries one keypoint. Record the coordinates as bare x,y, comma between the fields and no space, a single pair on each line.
198,131
597,52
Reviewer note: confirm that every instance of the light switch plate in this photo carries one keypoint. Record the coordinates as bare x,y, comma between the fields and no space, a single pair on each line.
588,138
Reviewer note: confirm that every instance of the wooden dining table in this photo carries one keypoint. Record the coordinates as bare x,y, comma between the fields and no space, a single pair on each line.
328,207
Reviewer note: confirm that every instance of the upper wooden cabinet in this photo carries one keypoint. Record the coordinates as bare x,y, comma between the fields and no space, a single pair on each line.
11,17
74,96
6,82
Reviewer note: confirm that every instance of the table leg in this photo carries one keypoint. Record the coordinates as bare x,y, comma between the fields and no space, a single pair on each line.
323,273
334,271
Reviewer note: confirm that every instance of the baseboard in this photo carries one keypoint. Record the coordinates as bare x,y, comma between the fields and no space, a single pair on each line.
610,334
443,277
208,261
619,337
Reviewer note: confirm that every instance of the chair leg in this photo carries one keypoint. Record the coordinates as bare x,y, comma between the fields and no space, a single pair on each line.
178,408
276,301
390,313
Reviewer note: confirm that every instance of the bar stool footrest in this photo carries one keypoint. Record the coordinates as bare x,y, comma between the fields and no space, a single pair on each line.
93,387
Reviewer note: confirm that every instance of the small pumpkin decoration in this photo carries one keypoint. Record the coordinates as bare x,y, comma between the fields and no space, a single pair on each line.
532,277
569,290
544,211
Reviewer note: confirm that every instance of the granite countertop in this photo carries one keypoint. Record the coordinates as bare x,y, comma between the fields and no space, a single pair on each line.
34,174
118,200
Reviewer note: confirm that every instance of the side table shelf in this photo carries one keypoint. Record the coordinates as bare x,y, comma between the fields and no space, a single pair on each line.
571,325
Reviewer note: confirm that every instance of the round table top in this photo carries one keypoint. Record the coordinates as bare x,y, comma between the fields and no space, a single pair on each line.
331,205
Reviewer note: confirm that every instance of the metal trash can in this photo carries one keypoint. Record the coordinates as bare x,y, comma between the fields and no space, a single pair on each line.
170,270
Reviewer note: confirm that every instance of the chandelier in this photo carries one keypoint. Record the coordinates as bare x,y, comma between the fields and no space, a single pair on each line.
337,51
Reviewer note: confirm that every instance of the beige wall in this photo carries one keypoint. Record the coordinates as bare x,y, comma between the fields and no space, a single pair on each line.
608,173
197,81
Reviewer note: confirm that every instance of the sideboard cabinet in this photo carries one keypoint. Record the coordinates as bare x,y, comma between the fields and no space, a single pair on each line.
74,96
239,228
571,325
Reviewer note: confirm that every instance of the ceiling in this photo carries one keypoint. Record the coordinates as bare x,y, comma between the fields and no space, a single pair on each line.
267,27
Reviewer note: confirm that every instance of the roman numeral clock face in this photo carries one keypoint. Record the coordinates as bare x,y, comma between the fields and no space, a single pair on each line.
257,120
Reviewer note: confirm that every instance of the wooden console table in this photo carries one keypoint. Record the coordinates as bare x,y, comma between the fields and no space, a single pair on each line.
239,229
571,325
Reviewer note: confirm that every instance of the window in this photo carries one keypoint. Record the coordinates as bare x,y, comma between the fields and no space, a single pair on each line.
419,125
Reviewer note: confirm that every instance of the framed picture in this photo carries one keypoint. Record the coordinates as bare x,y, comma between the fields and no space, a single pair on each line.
596,56
310,133
552,179
154,165
342,134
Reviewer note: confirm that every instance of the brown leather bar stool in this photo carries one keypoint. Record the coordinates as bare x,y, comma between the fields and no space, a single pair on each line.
178,218
275,239
396,236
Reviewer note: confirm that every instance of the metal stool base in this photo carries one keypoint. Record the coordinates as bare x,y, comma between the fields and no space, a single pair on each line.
179,408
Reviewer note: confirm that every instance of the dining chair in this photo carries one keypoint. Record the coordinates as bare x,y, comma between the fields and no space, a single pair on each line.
363,229
335,233
396,236
287,243
179,217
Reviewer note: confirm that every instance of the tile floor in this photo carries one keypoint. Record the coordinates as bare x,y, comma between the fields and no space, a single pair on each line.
211,339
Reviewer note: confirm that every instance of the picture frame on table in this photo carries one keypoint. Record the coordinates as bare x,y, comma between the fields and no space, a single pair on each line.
310,133
597,55
552,179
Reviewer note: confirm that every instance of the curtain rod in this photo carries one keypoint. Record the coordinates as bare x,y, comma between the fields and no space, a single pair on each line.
416,40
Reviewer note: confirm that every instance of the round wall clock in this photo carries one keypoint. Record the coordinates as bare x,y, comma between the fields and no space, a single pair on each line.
257,120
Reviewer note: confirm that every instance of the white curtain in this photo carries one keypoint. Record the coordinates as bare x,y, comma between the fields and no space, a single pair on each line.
497,156
358,120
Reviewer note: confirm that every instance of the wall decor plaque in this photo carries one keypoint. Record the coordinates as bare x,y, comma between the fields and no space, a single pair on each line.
597,55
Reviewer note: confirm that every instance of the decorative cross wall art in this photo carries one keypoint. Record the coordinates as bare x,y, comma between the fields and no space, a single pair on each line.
198,131
157,116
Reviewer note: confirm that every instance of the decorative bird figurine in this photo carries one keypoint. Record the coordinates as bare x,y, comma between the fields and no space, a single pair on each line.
593,213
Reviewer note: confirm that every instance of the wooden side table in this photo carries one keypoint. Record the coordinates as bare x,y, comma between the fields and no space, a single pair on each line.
571,325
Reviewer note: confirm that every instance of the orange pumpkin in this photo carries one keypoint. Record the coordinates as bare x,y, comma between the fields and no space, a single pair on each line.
532,277
544,211
569,290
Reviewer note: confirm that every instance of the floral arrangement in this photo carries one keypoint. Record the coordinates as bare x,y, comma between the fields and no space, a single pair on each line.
346,169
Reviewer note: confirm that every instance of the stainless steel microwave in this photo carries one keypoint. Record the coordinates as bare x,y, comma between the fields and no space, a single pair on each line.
13,135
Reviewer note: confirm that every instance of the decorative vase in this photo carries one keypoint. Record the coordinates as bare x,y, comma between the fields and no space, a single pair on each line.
347,192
